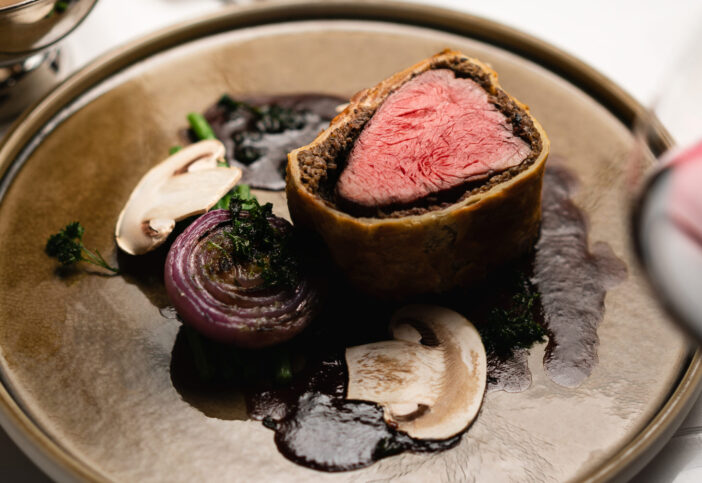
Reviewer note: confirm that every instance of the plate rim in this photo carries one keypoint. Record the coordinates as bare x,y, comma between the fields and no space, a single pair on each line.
61,465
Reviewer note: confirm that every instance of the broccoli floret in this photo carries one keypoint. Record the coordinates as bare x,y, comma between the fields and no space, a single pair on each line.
514,326
67,246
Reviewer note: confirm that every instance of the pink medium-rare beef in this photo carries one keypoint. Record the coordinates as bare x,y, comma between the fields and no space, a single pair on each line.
435,133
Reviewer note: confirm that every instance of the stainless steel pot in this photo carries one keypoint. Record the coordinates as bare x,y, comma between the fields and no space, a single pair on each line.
29,59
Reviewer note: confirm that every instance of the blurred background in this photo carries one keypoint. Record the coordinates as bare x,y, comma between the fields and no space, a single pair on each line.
636,43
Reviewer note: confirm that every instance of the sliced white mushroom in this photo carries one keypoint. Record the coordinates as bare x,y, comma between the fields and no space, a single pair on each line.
430,380
185,184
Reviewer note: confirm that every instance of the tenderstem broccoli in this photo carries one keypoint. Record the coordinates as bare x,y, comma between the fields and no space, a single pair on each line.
200,126
239,192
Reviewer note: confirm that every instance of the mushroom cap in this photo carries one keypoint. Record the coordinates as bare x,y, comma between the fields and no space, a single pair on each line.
430,380
187,183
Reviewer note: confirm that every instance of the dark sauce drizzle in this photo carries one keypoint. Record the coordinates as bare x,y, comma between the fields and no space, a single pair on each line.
573,281
315,425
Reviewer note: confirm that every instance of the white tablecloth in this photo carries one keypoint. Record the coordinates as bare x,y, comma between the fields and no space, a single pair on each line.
633,42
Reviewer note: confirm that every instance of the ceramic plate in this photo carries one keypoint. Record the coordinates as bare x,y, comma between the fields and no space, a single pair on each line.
85,359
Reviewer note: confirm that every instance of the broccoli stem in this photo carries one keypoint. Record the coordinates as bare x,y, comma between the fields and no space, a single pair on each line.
243,191
223,203
200,126
204,368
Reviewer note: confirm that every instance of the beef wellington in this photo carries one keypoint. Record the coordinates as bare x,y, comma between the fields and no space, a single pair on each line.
425,182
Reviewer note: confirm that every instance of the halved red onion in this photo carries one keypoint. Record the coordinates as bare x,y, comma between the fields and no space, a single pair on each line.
227,301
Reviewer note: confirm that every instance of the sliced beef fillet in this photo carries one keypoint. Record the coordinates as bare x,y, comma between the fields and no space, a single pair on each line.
434,134
429,180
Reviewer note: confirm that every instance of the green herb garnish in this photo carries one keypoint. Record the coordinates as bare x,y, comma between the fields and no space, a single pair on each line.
67,246
514,326
257,242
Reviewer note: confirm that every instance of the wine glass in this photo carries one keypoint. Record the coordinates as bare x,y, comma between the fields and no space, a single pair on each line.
667,229
667,217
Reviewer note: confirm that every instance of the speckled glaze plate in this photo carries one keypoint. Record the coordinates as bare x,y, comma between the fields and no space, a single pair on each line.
84,359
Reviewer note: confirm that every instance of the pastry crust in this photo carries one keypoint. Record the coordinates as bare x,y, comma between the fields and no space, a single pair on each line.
439,248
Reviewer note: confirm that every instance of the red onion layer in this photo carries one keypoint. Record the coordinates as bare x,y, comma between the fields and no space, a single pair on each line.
227,301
